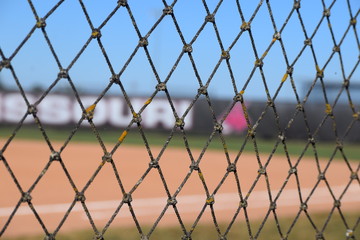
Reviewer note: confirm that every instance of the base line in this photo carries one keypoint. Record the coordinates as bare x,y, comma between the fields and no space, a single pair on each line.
190,203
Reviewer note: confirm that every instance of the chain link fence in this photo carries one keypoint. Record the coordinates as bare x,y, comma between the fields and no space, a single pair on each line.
288,58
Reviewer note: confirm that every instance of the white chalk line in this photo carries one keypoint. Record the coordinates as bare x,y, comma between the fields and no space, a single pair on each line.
191,203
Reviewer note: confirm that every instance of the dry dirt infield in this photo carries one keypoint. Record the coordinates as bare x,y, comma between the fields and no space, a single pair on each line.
53,194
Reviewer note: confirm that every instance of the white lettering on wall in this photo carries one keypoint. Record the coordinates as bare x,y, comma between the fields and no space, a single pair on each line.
113,111
87,101
55,109
119,113
15,108
158,113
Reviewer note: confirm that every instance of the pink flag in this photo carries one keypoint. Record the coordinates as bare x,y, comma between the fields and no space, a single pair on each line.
235,121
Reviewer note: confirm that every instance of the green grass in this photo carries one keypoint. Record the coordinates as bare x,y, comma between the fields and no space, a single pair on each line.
302,230
295,147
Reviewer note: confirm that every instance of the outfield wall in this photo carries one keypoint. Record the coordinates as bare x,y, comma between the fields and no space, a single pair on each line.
113,111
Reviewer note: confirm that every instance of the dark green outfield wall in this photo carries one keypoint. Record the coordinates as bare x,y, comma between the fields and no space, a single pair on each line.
63,110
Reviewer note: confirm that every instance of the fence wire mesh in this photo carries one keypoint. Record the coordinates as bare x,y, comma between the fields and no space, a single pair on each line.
294,21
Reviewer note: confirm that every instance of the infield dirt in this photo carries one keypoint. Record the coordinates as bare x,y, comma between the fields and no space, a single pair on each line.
53,194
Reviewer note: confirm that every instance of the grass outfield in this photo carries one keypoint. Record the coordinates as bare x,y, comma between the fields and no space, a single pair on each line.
335,230
295,147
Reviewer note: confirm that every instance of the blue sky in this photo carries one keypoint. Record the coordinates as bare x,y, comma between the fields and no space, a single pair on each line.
68,30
